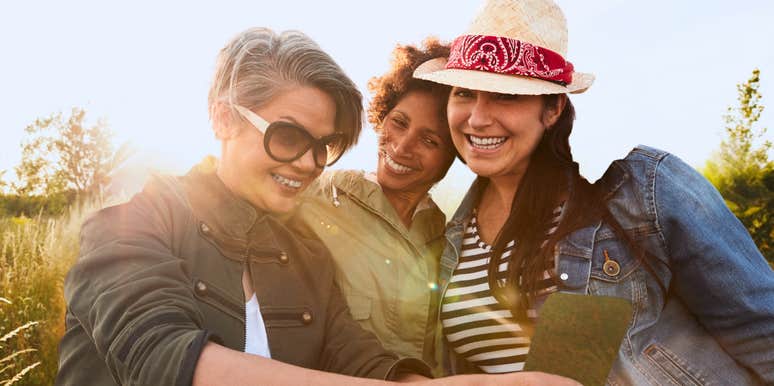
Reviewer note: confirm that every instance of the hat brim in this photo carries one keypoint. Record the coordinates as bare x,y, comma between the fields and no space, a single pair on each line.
435,70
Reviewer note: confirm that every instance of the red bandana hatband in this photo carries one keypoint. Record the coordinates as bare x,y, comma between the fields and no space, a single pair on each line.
508,56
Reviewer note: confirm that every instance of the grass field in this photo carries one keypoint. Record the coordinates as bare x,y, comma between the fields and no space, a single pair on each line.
35,254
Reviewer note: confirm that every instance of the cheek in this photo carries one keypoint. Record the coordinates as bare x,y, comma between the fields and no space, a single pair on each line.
457,116
458,139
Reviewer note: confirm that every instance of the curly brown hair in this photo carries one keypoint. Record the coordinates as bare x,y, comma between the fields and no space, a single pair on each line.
390,87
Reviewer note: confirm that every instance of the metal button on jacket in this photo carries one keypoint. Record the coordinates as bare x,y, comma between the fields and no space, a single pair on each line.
283,258
200,288
611,268
306,317
205,228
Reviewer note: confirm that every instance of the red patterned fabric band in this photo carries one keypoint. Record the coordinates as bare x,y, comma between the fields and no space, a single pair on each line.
503,55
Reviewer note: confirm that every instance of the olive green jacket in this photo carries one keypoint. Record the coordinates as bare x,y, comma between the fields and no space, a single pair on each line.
160,276
386,271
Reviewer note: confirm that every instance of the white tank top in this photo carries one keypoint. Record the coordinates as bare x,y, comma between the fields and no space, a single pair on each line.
256,341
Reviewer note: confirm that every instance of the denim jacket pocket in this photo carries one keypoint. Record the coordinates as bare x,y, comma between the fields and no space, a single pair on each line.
671,366
359,306
612,260
573,260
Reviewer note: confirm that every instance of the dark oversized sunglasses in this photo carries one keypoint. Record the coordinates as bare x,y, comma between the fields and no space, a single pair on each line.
286,142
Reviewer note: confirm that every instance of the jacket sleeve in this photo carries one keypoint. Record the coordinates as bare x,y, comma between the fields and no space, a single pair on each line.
132,297
351,350
717,270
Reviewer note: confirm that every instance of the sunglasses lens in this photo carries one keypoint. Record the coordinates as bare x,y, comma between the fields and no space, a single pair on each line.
286,141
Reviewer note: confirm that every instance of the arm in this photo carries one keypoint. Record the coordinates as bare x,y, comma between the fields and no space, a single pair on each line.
132,298
718,271
221,366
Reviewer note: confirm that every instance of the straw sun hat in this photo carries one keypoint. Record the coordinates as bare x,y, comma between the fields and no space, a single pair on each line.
512,47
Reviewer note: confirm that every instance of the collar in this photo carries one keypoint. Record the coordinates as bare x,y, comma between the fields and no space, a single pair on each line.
468,203
613,178
425,203
224,214
427,221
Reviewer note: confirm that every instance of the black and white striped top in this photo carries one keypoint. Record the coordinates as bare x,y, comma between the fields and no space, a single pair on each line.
476,325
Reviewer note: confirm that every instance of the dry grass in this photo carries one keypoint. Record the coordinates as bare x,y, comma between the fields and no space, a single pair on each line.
35,254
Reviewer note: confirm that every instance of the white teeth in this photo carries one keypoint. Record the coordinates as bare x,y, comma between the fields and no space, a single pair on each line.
295,184
396,166
487,143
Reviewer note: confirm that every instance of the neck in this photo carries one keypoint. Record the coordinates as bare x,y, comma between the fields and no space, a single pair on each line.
405,203
501,190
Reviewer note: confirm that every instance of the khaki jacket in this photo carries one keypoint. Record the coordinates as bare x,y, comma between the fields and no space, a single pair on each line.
387,272
160,276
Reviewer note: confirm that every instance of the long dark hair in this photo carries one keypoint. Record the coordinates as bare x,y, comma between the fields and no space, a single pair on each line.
552,178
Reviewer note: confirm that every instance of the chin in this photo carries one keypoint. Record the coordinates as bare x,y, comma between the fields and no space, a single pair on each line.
482,169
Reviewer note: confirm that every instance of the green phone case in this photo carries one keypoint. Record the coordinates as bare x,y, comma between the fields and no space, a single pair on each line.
578,336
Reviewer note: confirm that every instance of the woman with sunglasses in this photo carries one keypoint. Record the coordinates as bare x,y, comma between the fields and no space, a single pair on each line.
195,280
384,224
651,231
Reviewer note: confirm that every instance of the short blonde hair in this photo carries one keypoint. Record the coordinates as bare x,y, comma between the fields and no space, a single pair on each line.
257,64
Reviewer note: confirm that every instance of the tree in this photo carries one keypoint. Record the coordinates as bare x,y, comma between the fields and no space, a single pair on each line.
3,184
63,154
741,169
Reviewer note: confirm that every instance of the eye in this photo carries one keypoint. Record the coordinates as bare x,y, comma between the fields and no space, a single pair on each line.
506,97
429,141
462,93
398,122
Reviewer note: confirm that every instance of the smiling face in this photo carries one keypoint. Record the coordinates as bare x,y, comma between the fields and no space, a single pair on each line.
246,168
414,148
496,134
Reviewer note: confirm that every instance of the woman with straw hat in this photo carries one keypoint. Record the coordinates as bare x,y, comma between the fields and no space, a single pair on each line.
651,230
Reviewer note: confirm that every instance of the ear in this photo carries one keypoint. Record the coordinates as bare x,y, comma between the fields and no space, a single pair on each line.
224,123
552,113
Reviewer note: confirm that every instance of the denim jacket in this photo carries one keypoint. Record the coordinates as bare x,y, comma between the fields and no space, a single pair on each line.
715,325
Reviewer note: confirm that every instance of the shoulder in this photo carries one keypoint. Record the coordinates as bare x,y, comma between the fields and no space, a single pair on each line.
322,186
154,209
655,181
642,166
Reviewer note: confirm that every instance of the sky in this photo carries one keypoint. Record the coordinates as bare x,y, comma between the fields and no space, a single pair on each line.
666,70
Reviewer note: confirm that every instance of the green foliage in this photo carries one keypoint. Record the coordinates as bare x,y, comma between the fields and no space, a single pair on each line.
741,169
35,254
30,206
63,154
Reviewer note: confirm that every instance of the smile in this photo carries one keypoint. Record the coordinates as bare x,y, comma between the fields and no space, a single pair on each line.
293,184
486,143
396,167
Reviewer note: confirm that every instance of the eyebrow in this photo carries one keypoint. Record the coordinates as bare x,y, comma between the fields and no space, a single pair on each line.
297,123
293,121
402,114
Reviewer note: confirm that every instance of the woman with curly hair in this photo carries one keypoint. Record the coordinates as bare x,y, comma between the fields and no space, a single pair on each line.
383,229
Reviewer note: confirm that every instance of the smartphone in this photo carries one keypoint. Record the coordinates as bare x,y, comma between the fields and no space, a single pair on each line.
578,336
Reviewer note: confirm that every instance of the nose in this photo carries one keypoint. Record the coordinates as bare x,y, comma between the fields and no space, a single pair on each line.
306,162
480,115
402,144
